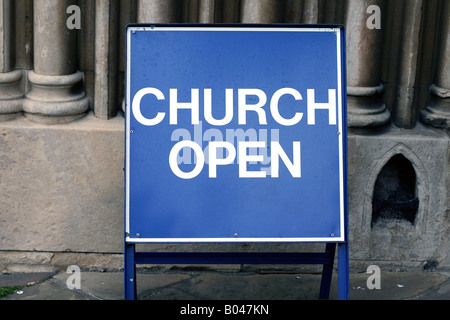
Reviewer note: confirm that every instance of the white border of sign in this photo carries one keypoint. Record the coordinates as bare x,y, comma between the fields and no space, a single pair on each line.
342,237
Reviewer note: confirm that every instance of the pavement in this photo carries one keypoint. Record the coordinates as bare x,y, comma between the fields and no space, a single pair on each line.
195,285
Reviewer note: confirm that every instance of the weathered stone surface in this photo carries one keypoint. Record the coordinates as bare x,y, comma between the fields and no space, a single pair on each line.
10,95
399,243
55,99
157,11
54,44
437,112
26,261
62,186
365,108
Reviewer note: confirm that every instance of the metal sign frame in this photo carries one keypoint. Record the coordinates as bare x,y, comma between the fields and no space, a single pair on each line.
325,258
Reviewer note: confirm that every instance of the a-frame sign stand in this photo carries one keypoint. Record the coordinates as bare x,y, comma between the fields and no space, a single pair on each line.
326,258
283,174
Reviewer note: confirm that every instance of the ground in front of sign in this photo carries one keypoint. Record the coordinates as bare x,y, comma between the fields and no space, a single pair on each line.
208,285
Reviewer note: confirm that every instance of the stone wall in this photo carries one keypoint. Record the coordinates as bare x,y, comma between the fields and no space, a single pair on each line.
61,125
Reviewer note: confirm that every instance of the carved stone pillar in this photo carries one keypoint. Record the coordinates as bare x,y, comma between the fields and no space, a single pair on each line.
405,113
158,11
127,14
261,11
311,11
437,113
364,88
10,79
56,94
206,10
106,54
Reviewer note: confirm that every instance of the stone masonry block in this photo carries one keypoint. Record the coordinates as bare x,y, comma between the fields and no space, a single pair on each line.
62,186
397,241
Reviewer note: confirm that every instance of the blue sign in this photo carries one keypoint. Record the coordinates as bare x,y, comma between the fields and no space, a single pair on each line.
235,134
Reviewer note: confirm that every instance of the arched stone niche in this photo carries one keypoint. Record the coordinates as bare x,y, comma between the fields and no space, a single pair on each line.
397,190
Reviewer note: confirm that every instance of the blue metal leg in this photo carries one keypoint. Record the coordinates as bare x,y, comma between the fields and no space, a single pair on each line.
327,272
130,272
343,275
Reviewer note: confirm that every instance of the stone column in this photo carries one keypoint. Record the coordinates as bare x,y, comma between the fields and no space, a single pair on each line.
364,47
86,47
158,11
106,57
311,11
437,113
262,11
405,113
127,14
56,94
206,11
10,80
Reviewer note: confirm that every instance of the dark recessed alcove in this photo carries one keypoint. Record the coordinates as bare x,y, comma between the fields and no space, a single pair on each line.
395,193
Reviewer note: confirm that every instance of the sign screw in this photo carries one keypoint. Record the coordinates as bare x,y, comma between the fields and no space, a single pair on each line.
332,234
131,131
235,235
138,234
